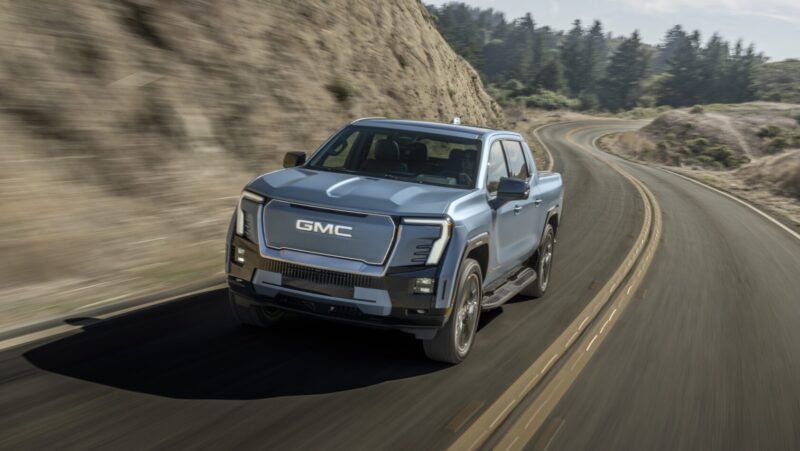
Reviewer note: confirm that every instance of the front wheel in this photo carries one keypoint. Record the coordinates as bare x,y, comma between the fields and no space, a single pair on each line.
544,264
453,342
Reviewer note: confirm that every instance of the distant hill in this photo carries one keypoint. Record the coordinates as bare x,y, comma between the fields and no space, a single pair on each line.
716,136
779,81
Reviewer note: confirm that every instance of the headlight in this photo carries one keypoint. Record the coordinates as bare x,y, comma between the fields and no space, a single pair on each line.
438,246
246,215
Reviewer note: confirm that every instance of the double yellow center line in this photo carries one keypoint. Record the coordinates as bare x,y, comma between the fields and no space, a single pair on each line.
621,287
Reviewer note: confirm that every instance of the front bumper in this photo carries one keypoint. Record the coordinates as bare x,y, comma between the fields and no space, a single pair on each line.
385,300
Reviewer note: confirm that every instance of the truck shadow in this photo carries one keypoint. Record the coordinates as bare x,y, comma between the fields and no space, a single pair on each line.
192,349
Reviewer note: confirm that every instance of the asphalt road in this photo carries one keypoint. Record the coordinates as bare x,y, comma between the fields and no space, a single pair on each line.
707,355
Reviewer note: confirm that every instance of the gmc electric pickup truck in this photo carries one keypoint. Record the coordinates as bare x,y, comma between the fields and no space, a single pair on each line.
415,226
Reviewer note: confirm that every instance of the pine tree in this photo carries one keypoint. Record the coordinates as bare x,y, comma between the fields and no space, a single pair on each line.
673,37
681,87
594,57
713,67
520,49
742,73
571,58
621,87
551,77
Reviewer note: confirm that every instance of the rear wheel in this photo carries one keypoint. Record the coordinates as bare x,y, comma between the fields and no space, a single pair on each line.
544,263
254,315
453,342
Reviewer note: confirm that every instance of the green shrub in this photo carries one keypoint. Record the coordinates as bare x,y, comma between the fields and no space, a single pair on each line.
705,160
647,101
662,151
719,153
697,109
549,100
777,144
697,145
734,161
768,131
514,87
588,101
341,90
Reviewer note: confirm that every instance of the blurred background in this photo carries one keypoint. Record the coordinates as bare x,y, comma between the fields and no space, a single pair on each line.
130,126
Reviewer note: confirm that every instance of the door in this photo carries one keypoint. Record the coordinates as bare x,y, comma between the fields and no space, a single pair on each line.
507,219
528,214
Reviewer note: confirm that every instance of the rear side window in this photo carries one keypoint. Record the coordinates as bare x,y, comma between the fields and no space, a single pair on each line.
517,166
497,167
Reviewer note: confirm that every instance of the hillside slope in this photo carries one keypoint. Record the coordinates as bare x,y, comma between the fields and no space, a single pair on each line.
749,149
716,136
131,125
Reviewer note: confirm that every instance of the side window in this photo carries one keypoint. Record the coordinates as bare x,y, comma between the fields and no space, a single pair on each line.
517,165
497,167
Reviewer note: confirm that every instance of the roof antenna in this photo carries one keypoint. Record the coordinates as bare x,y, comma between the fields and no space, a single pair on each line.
456,120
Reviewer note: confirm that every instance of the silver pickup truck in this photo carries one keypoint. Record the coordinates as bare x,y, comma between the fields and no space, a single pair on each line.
415,226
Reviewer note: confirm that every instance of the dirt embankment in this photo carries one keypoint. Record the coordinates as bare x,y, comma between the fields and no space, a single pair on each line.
130,126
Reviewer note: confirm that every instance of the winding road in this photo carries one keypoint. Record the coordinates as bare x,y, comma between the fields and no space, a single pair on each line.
692,342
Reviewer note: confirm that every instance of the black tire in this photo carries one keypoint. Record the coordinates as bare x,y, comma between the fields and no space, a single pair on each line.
254,315
544,265
453,342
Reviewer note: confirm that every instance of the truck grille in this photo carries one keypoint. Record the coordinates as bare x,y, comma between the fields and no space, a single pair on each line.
363,237
308,278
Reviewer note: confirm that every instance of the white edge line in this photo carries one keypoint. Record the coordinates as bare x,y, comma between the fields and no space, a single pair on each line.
746,204
707,186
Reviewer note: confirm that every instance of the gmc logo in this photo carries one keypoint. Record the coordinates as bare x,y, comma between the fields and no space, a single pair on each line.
317,227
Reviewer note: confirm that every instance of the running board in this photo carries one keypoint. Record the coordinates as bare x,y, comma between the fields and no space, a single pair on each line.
509,289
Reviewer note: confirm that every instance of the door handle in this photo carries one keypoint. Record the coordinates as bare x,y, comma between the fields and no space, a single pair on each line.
517,209
537,202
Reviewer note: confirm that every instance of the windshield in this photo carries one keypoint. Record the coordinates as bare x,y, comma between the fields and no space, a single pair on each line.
402,155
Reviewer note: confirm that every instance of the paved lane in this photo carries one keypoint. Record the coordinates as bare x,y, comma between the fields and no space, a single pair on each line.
708,354
184,374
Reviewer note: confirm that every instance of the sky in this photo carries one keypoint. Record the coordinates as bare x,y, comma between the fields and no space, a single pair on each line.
772,25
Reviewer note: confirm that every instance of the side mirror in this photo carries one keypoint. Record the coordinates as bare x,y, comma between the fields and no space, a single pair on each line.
294,159
512,189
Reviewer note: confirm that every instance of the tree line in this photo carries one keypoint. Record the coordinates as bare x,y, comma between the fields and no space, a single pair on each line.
589,68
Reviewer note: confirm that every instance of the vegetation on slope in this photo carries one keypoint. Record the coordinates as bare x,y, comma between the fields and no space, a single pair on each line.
716,136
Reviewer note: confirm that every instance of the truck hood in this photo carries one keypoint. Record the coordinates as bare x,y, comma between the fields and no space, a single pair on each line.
355,192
